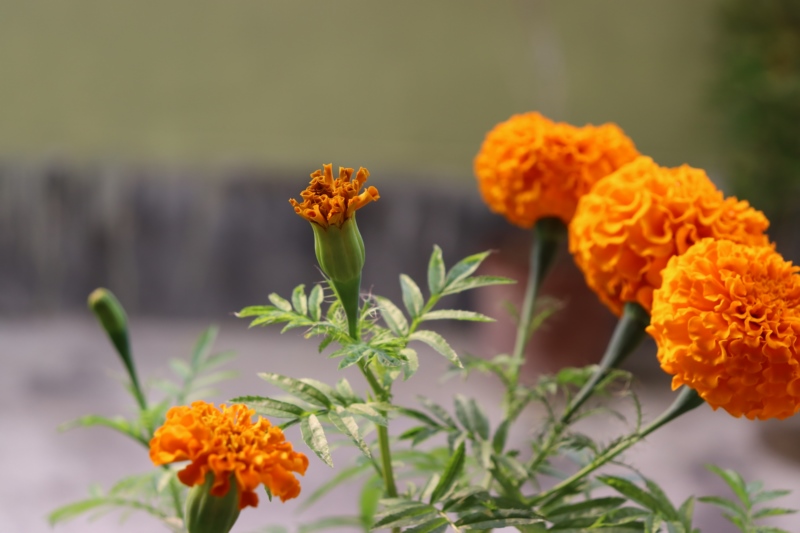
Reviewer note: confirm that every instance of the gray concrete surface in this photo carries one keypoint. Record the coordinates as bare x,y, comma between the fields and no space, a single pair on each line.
56,369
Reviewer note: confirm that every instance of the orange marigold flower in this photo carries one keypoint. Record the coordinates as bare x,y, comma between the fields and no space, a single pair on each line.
727,324
228,443
530,167
331,202
633,221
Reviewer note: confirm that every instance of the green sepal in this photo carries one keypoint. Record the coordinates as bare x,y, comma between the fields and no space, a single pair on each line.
206,513
340,250
340,253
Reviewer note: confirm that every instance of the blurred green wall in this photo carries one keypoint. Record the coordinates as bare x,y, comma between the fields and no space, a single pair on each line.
408,85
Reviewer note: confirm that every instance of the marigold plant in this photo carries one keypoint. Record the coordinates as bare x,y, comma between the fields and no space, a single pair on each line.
727,323
632,222
227,442
530,167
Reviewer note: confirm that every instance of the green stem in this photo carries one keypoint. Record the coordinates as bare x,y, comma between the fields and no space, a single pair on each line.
547,234
687,400
627,336
176,497
386,461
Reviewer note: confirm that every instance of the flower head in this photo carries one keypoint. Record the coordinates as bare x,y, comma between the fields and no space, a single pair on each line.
530,167
331,202
633,221
227,443
727,324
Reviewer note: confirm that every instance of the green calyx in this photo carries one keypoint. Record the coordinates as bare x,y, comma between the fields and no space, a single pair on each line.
340,252
206,513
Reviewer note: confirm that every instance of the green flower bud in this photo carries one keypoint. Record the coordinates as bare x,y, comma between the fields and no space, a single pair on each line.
112,318
330,205
340,250
206,513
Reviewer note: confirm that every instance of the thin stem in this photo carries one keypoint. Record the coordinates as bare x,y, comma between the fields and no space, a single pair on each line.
547,233
627,336
386,462
176,497
687,400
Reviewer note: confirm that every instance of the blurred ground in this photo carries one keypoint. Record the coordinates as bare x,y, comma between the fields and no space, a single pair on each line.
56,369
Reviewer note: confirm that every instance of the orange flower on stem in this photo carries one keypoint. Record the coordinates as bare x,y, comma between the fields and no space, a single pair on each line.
227,443
530,167
328,201
727,324
632,222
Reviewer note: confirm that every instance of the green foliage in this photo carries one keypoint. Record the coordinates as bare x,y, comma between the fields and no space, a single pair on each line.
745,511
148,493
157,493
459,471
758,91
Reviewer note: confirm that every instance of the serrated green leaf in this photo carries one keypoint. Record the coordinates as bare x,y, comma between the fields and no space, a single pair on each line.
346,392
393,316
181,368
667,509
437,342
325,343
299,299
588,507
203,345
465,268
338,479
427,489
369,412
455,314
723,503
315,302
412,296
735,482
117,423
255,310
439,411
270,407
314,437
477,282
353,353
640,496
412,362
417,415
398,509
472,417
407,518
280,303
216,377
686,512
500,436
450,475
498,518
298,388
436,271
70,511
437,525
347,425
772,511
768,495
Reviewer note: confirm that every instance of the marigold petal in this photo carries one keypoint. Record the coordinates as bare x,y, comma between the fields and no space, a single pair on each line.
634,220
530,167
227,441
328,201
741,354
